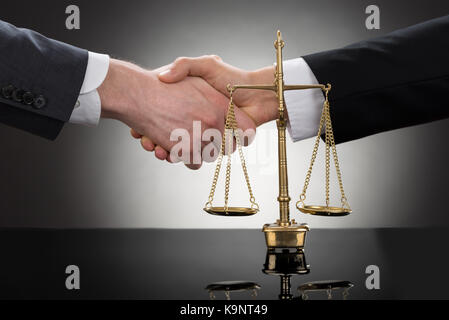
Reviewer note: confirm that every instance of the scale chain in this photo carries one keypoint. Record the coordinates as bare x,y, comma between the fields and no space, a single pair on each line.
231,130
217,168
329,131
254,205
302,197
216,174
327,141
228,133
325,122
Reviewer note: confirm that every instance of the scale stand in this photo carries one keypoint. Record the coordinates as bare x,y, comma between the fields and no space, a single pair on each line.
284,233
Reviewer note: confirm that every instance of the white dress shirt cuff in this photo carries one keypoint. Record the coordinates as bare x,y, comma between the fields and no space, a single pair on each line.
303,106
87,109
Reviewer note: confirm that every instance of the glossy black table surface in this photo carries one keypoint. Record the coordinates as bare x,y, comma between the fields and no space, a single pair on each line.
180,264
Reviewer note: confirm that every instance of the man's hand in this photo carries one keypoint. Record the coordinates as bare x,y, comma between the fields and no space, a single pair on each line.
259,105
154,109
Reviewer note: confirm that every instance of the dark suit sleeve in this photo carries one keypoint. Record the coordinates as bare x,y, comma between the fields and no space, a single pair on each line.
390,82
40,80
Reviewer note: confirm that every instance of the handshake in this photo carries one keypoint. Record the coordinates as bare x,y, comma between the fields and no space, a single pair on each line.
187,99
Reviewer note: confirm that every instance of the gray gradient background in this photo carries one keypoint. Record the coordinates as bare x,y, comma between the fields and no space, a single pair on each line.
100,177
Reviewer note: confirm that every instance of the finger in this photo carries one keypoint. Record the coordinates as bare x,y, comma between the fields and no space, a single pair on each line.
147,144
160,153
135,134
163,68
193,166
183,67
169,158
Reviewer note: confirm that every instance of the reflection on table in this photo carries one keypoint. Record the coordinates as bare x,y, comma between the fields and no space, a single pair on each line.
284,263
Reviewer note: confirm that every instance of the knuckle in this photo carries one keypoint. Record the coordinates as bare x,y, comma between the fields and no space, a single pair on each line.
209,59
181,60
212,59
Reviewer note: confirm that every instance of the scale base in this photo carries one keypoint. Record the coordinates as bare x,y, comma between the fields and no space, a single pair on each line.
292,235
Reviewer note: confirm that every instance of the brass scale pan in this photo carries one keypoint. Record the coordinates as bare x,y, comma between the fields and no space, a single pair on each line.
231,211
311,209
325,211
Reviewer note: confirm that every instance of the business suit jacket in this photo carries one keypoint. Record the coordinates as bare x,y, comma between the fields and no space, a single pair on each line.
40,80
390,82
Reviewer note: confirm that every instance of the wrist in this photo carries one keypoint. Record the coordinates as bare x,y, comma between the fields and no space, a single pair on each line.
116,91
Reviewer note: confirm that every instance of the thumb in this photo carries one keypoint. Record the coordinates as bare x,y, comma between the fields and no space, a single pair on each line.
183,67
173,74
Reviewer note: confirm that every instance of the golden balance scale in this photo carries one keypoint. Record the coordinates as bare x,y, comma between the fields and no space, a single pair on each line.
284,233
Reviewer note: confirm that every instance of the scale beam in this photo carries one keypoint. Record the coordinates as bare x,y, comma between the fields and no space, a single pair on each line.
275,88
304,86
255,87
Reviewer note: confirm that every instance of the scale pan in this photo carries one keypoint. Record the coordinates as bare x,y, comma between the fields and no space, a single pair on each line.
325,211
232,211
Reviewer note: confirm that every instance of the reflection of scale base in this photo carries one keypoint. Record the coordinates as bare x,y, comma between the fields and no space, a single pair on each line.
285,264
285,235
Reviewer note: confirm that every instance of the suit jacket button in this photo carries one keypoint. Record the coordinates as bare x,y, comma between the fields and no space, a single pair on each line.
7,91
39,102
28,98
17,95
